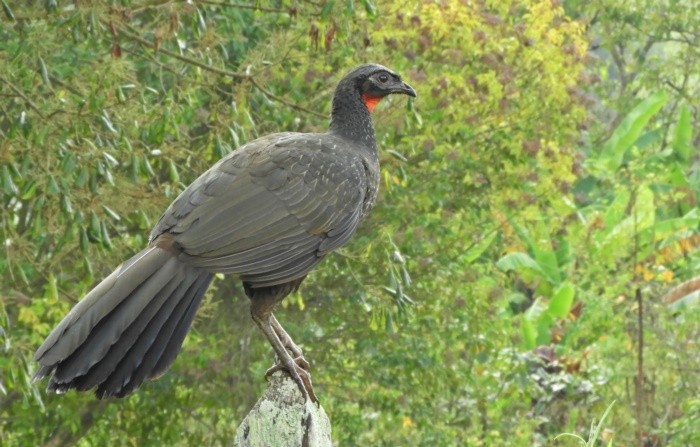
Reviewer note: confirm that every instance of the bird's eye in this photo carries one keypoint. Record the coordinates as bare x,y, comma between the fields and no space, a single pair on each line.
383,78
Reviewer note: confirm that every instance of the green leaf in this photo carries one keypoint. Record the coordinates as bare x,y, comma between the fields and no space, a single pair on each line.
134,166
595,430
52,185
572,435
683,136
644,211
87,266
66,204
111,213
519,261
145,167
104,235
630,129
675,226
563,251
677,176
94,228
93,183
8,185
616,211
84,242
108,122
44,72
477,250
52,288
529,333
547,261
370,8
642,216
563,298
82,177
8,12
201,22
523,234
327,10
389,323
120,94
172,172
544,334
29,190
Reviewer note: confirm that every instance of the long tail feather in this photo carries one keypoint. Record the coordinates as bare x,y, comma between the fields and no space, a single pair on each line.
128,328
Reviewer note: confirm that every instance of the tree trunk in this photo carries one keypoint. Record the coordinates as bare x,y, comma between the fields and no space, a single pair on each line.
281,418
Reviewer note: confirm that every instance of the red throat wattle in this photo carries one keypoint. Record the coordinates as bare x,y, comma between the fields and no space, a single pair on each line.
370,101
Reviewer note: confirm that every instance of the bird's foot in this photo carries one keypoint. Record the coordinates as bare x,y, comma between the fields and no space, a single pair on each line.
300,362
293,348
297,368
286,340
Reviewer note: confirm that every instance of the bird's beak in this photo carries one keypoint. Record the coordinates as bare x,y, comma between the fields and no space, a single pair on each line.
404,89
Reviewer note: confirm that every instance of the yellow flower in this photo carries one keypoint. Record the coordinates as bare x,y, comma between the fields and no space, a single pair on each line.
407,422
667,275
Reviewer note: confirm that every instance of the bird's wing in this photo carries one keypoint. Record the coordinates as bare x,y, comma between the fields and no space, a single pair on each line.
270,211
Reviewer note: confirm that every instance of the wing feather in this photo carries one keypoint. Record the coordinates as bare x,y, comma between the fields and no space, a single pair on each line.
270,211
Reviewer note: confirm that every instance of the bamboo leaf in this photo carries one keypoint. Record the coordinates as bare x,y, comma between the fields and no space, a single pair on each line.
111,213
52,288
327,10
8,12
44,72
8,185
172,172
29,190
370,8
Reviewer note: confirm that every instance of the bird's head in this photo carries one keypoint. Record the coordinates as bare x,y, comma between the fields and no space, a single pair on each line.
372,82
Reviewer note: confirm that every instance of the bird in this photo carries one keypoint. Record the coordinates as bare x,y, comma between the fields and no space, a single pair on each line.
267,214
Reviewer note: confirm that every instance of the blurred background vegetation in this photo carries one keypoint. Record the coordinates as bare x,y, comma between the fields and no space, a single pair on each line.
533,258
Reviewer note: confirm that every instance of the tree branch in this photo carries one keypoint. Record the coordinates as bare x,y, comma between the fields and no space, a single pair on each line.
118,29
681,290
289,11
279,99
620,64
21,94
241,76
283,417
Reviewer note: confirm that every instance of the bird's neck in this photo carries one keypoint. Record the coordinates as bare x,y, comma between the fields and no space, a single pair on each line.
350,118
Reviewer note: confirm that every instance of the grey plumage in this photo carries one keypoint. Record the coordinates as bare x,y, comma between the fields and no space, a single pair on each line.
118,322
288,199
267,213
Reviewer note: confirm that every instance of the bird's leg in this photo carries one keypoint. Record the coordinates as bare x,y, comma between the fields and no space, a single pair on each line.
261,311
288,343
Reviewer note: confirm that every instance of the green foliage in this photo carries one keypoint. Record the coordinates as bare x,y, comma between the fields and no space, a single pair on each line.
594,432
531,194
629,131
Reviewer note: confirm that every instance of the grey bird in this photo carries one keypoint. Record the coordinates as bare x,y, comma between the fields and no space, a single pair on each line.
267,213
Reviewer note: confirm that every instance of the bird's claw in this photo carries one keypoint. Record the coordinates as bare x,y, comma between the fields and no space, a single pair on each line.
298,370
279,366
